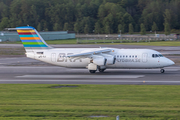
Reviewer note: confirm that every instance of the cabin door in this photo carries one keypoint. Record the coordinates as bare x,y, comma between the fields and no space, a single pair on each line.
53,57
144,57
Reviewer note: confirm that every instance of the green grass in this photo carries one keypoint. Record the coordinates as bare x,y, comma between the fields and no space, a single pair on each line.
110,42
131,102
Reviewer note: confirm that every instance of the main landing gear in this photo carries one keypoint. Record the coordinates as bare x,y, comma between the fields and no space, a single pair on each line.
102,70
92,71
162,70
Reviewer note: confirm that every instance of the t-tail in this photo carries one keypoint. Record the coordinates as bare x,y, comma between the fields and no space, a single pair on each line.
31,40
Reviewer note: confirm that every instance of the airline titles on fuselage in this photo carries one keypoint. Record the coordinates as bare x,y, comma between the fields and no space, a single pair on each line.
62,57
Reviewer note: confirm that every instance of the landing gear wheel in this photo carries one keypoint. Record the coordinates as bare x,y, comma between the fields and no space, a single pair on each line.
92,71
102,70
162,70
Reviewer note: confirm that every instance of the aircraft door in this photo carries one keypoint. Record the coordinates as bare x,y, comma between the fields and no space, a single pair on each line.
159,60
53,57
144,57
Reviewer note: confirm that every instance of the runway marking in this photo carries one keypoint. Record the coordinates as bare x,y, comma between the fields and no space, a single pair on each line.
80,76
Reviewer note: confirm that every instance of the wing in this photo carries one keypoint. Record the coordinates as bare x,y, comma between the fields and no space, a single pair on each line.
87,54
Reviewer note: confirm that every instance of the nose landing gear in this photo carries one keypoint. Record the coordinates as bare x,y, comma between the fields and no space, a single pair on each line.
162,70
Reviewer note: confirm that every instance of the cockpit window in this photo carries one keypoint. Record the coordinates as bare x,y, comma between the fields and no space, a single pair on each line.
157,55
39,53
161,55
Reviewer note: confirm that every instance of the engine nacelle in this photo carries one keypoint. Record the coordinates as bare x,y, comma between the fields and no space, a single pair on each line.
99,60
110,59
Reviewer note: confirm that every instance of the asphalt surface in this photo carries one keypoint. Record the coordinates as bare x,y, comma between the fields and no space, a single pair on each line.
22,70
59,75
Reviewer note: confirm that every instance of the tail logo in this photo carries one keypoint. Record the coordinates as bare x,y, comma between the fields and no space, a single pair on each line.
30,38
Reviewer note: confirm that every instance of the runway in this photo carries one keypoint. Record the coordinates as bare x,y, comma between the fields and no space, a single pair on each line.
22,70
59,75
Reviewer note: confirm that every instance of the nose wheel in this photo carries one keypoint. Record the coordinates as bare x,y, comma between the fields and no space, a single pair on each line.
162,70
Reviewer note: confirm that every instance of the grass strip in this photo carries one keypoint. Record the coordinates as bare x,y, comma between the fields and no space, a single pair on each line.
37,101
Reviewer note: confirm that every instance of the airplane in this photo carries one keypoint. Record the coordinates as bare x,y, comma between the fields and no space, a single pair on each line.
94,59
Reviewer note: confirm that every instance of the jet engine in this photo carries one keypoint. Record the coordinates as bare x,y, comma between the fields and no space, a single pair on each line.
99,60
110,59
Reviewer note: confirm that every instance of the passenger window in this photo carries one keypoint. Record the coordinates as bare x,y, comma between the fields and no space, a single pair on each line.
117,55
136,56
130,56
123,56
133,56
126,56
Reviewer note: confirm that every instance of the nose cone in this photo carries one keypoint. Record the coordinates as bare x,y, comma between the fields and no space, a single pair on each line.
170,62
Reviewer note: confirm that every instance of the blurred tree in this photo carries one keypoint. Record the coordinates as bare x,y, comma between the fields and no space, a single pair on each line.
153,12
131,29
127,19
167,16
110,12
39,27
107,29
143,29
120,28
97,28
167,29
65,26
76,27
55,27
109,20
34,17
136,28
3,10
124,3
154,27
4,23
86,29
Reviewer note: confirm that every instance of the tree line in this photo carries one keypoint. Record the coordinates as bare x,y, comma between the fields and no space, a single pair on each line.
92,16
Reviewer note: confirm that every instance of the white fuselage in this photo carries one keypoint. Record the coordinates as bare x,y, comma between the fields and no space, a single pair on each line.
125,58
